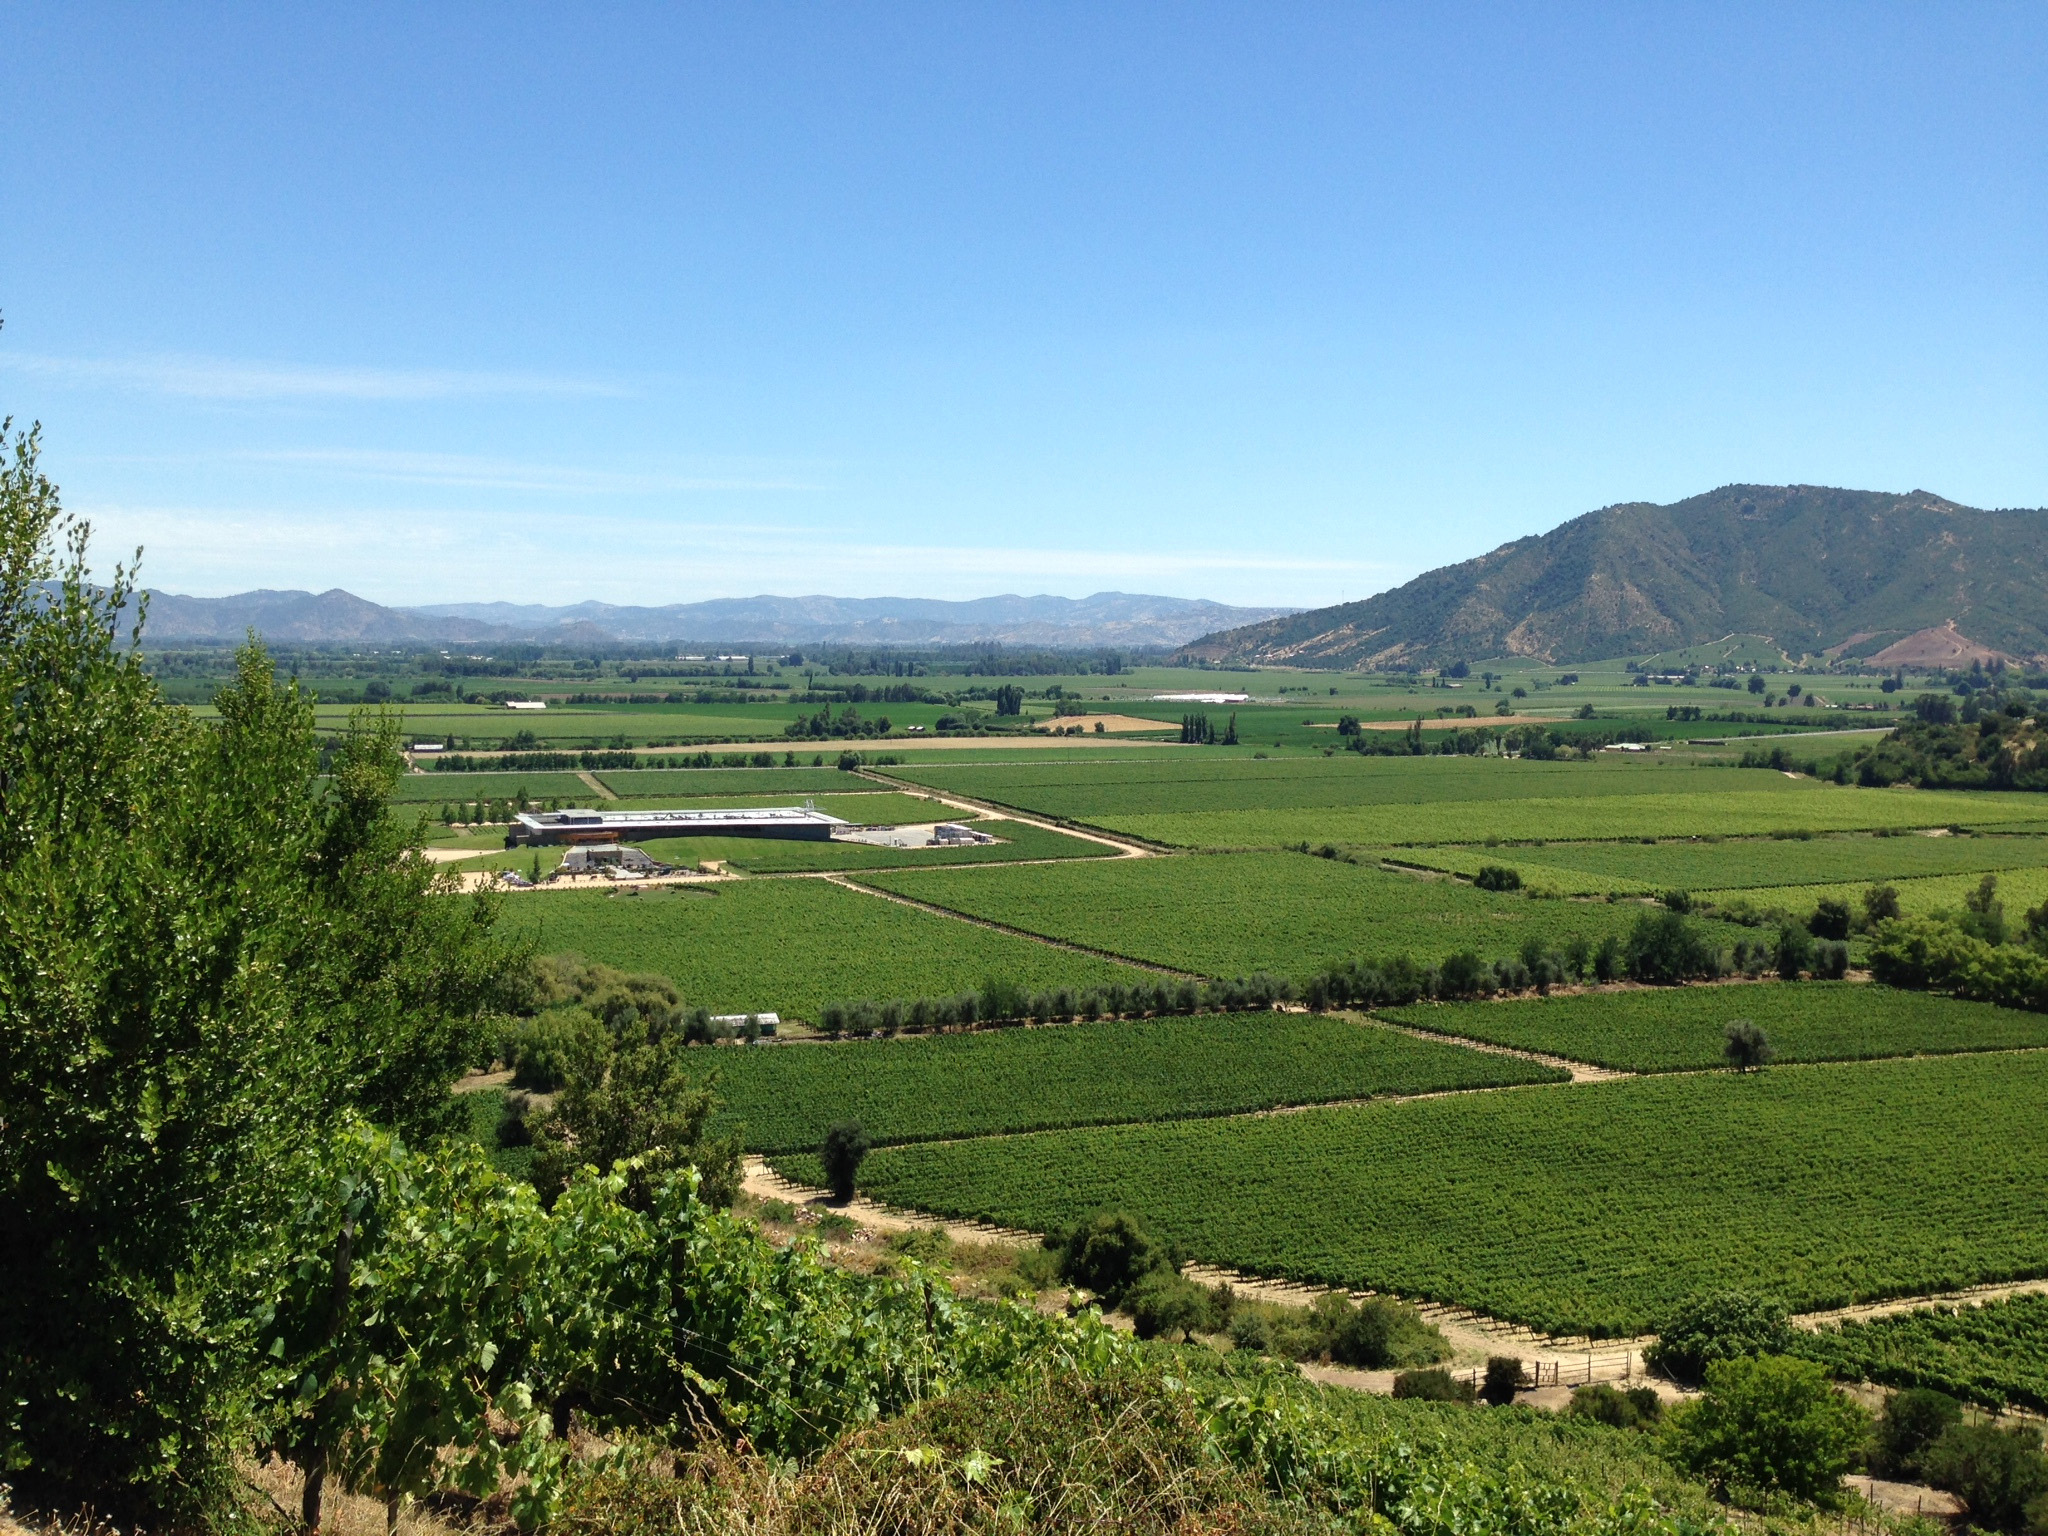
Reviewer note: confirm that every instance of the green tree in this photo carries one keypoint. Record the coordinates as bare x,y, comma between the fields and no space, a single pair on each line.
1769,1425
1745,1045
1728,1325
1912,1421
633,1098
844,1149
1999,1473
204,968
1109,1253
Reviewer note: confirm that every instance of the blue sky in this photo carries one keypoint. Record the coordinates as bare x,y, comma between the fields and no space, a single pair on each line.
1264,303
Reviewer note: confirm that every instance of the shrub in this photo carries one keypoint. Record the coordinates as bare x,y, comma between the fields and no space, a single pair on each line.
1912,1421
1108,1254
1503,1380
1830,919
1603,1403
1880,902
543,1050
1161,1304
1432,1386
1997,1472
1830,960
1664,947
1465,975
1678,901
1378,1332
1770,1425
1746,1047
1924,952
1723,1326
1498,877
844,1148
1795,951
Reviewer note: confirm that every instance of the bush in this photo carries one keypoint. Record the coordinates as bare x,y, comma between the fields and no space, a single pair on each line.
1912,1421
1161,1304
1465,975
1997,1472
1498,877
1880,903
1503,1380
1830,919
1724,1326
544,1050
1927,953
1380,1332
1637,1408
1664,947
845,1147
1108,1254
1794,952
1769,1425
1746,1046
1830,960
1432,1386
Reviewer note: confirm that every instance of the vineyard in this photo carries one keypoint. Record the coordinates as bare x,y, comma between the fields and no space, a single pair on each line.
773,856
638,783
1595,1207
880,809
1996,1354
1801,806
1679,1028
1573,868
1085,1074
432,790
2019,889
789,946
1230,914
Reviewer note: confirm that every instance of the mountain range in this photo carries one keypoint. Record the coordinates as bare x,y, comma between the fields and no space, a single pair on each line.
1899,579
338,617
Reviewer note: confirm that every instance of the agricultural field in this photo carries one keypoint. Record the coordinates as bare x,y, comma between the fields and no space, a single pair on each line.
1201,801
1287,913
1995,1354
2018,889
701,783
1733,863
1595,1207
926,1087
772,856
881,808
1673,1029
789,946
438,789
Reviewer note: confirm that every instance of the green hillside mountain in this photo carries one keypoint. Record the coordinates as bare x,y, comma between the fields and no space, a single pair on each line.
1903,579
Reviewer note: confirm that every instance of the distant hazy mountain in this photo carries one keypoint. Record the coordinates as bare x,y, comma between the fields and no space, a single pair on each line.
1908,579
338,617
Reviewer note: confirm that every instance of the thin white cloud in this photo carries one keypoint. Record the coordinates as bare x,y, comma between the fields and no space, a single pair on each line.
405,556
474,472
214,378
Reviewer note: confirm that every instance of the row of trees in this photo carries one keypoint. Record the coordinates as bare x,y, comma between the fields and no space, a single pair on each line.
1000,1001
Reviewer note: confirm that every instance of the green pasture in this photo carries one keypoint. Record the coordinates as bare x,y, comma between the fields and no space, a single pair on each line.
1672,1029
789,946
1007,1080
1594,1207
1233,914
1727,864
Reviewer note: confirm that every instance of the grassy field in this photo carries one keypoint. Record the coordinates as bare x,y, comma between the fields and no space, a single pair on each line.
1232,914
1676,1028
1996,1354
1577,868
789,946
923,1088
1598,1206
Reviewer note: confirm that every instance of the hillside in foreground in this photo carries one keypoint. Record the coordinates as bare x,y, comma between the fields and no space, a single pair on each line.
1910,580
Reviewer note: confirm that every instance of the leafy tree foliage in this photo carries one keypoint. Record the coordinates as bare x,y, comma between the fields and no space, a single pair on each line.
204,967
1727,1326
1999,1472
1746,1048
1769,1425
844,1150
1912,1421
